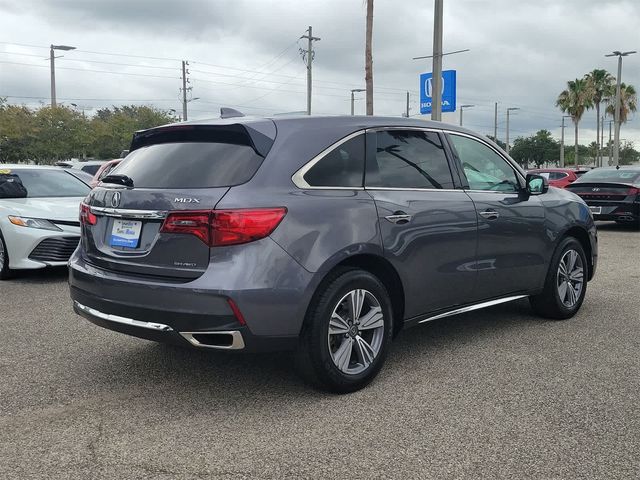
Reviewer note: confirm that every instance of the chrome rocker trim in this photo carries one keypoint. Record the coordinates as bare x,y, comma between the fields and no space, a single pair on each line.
160,327
477,306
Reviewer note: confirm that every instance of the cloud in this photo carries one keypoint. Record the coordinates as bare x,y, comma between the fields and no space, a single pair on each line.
245,53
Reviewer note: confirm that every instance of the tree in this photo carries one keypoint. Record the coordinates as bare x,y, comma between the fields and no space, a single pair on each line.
575,100
502,145
368,58
538,149
628,102
602,86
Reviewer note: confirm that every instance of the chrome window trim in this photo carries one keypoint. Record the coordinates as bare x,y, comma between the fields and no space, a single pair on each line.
298,177
401,189
160,327
497,151
124,213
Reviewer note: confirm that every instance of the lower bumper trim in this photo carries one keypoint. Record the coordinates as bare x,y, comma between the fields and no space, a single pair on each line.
159,327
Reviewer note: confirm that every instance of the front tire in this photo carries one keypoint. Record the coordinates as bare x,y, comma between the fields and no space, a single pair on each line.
5,271
347,332
566,282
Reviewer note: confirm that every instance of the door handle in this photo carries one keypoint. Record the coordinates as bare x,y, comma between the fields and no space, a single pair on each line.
490,214
399,217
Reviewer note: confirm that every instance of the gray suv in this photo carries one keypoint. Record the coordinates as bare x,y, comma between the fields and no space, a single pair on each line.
321,235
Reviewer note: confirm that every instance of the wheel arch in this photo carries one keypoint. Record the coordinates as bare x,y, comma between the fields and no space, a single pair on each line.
382,269
582,236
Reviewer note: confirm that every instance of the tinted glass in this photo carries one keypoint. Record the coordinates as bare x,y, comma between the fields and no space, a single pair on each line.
40,183
409,159
558,175
90,169
342,167
612,175
190,165
483,167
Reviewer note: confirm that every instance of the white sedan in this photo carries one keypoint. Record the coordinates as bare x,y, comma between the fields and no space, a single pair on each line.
39,224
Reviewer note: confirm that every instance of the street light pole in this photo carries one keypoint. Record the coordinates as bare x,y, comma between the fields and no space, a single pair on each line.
462,107
507,140
52,61
562,141
616,118
436,79
352,97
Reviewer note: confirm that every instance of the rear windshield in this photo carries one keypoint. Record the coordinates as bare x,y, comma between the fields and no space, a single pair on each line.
90,169
615,176
190,165
40,184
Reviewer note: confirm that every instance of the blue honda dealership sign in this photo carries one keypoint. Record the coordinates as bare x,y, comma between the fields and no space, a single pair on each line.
448,91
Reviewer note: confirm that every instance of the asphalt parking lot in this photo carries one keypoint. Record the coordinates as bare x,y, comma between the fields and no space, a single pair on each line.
494,394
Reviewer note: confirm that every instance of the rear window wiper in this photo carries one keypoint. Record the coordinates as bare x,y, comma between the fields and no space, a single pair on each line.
119,179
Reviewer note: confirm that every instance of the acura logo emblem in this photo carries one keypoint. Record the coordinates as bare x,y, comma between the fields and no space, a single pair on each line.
596,189
115,200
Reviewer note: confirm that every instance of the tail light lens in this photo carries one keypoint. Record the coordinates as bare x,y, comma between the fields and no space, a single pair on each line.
225,227
86,217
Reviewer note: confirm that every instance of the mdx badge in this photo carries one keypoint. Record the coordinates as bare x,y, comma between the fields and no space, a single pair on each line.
186,200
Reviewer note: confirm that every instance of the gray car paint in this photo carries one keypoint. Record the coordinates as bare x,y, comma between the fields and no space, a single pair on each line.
443,260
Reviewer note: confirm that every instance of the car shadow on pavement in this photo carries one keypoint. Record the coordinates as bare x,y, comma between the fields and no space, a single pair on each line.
177,372
41,275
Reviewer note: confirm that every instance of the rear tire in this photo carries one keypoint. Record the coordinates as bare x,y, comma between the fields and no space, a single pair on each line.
5,271
566,282
341,351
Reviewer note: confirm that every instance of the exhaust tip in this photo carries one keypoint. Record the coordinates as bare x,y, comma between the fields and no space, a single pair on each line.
227,340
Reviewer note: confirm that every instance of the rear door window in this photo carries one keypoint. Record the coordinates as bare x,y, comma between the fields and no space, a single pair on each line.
190,165
409,159
40,183
341,167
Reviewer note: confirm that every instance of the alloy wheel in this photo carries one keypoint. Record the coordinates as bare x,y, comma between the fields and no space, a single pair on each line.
570,278
356,331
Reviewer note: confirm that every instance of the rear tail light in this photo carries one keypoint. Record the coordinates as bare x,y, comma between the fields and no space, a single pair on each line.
225,227
634,191
86,217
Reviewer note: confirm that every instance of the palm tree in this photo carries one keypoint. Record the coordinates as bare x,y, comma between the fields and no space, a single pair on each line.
602,86
368,58
628,102
575,100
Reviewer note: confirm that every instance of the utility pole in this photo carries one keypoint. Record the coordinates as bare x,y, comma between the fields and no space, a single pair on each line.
352,97
308,55
462,107
610,144
508,112
407,114
495,123
52,61
599,164
616,118
436,79
185,80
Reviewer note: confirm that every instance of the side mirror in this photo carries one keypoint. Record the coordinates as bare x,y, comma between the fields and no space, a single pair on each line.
536,184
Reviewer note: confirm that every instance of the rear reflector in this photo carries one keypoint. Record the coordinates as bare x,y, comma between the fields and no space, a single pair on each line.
86,217
236,312
225,227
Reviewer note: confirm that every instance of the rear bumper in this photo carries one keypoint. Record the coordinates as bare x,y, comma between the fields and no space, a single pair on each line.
273,306
620,211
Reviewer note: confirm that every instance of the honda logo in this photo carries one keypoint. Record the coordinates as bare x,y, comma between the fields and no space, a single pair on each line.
115,200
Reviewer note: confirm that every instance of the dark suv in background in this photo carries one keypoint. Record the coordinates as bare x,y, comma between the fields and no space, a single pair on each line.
323,235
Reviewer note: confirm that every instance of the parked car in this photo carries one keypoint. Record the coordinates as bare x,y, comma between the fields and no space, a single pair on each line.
88,166
103,171
39,224
81,175
323,235
558,177
612,193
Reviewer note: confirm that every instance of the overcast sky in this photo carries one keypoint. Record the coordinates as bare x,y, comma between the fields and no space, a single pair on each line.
244,54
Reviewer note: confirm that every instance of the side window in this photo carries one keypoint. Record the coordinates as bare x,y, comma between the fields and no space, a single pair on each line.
342,167
558,175
483,167
408,159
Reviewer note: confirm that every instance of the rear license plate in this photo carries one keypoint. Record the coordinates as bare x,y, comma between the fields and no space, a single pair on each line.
125,233
596,210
